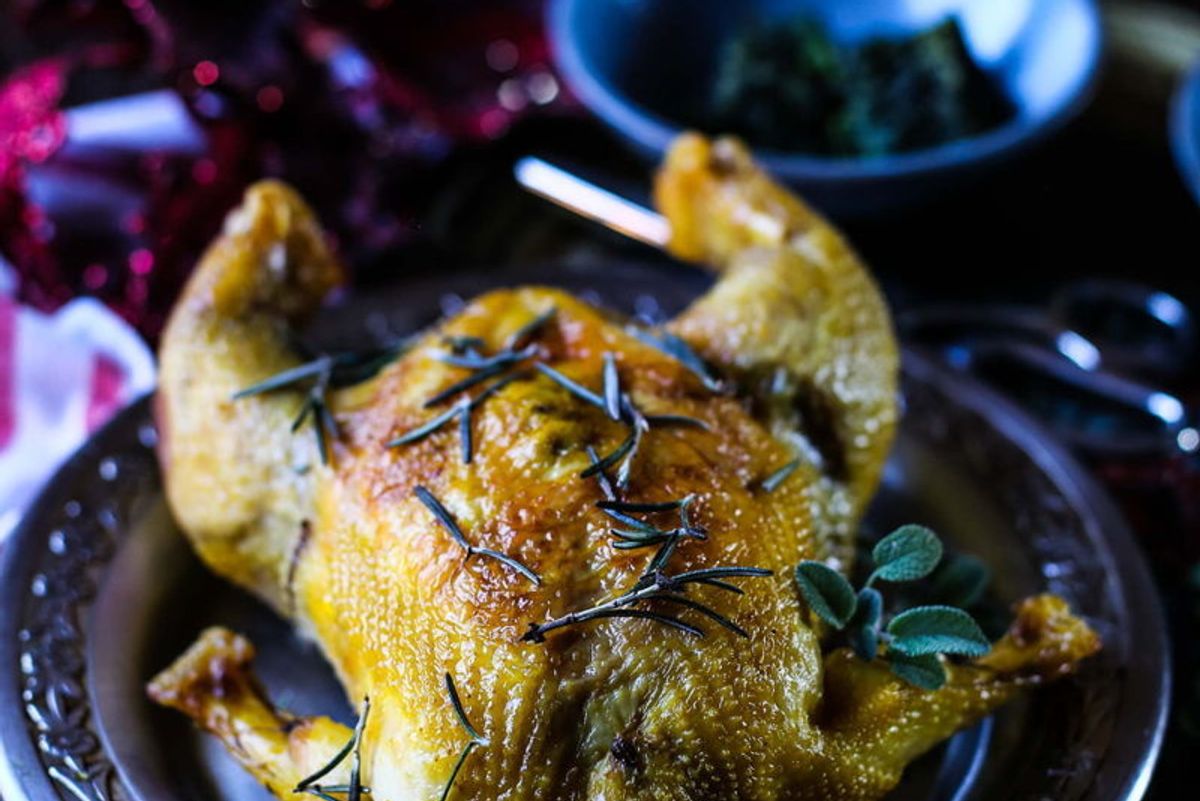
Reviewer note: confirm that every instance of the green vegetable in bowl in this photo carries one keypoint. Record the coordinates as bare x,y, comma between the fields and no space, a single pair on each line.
791,87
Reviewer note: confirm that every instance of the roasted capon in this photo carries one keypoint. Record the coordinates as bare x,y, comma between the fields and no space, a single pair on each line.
549,553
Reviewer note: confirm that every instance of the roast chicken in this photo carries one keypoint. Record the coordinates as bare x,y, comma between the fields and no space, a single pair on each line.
550,554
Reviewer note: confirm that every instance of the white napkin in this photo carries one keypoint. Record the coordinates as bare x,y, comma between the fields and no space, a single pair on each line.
62,376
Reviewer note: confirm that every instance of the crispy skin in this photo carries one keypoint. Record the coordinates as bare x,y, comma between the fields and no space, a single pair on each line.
796,317
614,709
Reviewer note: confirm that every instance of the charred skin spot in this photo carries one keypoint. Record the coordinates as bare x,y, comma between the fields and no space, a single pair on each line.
625,753
294,562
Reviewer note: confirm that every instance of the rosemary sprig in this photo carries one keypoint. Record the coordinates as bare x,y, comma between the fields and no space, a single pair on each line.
641,534
625,506
678,349
287,378
477,377
611,459
353,749
425,429
329,371
461,410
656,587
655,584
576,389
526,332
443,516
473,360
676,420
772,482
477,740
610,494
459,344
464,428
640,426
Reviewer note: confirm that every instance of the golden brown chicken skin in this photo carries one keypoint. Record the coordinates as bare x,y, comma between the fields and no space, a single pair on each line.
614,708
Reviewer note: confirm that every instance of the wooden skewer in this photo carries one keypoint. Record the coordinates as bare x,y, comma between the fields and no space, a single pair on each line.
588,200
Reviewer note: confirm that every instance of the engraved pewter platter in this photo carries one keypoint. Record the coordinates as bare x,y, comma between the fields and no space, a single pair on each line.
100,591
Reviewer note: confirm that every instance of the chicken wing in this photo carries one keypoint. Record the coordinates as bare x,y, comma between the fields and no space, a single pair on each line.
567,517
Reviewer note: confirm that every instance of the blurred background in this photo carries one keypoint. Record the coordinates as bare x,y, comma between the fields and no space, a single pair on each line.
1025,182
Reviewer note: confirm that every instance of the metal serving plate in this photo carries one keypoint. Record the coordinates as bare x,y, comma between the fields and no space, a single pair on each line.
99,591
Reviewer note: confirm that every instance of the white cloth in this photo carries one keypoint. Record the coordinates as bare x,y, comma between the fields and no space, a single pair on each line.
61,376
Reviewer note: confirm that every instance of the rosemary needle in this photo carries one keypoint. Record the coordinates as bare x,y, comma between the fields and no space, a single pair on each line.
353,748
681,351
443,516
602,479
624,506
772,482
576,389
612,387
474,361
286,378
477,739
464,428
425,429
461,713
527,331
614,457
466,383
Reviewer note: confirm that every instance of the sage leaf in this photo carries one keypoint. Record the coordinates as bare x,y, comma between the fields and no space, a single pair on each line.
937,630
826,592
909,553
925,672
863,628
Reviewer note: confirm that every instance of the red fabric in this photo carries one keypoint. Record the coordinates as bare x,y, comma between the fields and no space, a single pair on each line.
104,398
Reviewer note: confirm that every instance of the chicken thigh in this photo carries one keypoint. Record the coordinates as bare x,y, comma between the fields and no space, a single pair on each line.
551,553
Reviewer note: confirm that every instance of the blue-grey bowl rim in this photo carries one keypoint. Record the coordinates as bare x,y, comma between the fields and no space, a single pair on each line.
1185,129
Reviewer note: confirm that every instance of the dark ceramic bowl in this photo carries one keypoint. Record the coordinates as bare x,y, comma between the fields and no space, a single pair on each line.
1185,130
99,591
637,63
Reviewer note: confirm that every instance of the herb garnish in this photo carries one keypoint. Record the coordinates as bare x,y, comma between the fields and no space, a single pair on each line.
655,587
640,534
465,353
526,332
576,389
461,410
477,377
477,739
601,476
681,351
772,482
655,584
353,748
443,516
612,387
915,637
329,371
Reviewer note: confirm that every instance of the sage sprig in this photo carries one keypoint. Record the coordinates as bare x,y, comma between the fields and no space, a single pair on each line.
916,638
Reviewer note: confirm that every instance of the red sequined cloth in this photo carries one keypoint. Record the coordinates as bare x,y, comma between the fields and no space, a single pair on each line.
352,101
